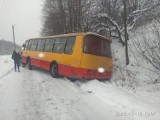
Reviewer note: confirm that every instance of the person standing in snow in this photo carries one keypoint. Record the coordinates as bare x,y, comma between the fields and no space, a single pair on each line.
16,57
20,58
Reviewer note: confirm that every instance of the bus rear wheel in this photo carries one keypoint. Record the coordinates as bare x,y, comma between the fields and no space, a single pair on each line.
54,70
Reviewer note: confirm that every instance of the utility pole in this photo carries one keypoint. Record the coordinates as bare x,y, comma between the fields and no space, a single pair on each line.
13,37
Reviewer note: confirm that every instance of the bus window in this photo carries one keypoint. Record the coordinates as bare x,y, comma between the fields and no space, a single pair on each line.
29,45
92,45
26,45
62,45
56,45
40,45
96,45
69,45
34,44
49,45
59,45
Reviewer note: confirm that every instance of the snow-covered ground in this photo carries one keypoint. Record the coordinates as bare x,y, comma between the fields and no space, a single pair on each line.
5,65
35,95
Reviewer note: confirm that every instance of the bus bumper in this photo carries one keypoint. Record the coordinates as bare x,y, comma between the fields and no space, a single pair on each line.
82,73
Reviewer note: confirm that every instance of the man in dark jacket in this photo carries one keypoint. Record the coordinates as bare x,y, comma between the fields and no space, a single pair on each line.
16,57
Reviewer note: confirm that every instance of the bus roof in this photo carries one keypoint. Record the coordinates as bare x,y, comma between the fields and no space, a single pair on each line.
74,34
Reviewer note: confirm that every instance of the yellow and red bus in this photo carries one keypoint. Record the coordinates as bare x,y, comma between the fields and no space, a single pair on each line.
75,55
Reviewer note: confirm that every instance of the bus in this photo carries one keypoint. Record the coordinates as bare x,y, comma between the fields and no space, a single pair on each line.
75,55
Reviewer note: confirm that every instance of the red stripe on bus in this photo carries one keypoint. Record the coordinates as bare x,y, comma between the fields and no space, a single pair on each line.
72,72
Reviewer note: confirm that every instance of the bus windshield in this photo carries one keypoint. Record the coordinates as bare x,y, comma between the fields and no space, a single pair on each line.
97,46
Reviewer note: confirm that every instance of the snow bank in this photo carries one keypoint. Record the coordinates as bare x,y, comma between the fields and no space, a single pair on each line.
6,65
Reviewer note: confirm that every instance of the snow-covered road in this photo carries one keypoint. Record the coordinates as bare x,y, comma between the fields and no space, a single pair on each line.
35,95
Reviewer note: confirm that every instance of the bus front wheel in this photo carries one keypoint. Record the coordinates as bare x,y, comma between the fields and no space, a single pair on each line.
54,70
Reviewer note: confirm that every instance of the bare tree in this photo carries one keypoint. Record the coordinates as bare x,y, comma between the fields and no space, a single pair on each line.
145,11
125,31
65,16
51,18
148,48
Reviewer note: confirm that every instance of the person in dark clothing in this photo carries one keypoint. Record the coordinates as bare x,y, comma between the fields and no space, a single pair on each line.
20,58
16,57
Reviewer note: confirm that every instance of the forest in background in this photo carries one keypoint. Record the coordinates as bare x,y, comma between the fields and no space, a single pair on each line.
6,47
105,17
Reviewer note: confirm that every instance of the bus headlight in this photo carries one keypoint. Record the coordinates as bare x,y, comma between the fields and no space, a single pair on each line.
101,70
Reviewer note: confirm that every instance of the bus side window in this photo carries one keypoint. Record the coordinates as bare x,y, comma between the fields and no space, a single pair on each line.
59,45
69,45
40,45
49,45
56,45
34,44
62,45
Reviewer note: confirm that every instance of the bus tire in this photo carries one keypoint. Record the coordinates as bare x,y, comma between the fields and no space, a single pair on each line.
54,70
29,66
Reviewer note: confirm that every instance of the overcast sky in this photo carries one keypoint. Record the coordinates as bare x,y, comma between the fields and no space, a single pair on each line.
25,15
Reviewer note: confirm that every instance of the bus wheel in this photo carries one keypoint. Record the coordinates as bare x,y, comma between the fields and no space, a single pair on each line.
29,65
54,70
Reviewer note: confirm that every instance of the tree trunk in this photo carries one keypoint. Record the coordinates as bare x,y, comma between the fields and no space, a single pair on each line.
125,32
